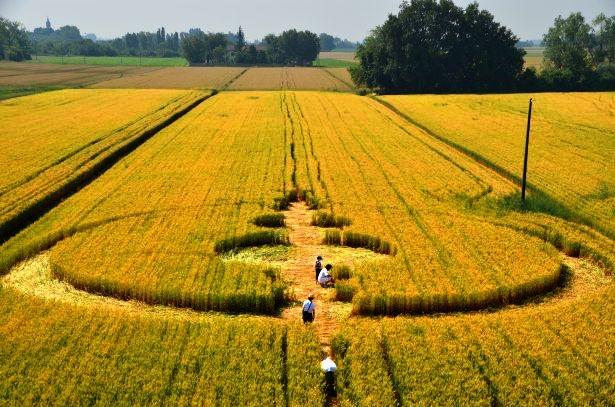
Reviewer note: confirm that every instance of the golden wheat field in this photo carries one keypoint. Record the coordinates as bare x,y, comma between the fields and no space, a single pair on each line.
293,78
572,156
28,74
340,55
173,271
171,259
342,74
94,126
174,78
64,354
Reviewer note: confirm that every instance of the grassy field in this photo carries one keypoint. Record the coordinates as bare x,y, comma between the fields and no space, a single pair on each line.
333,63
288,79
336,59
534,57
8,92
140,281
571,155
111,61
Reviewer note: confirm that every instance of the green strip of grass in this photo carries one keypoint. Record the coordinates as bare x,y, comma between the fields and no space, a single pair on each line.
333,63
8,92
132,61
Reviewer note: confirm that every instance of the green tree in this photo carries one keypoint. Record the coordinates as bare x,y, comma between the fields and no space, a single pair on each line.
274,52
68,33
14,41
604,39
434,45
218,55
194,48
327,42
241,40
296,47
568,47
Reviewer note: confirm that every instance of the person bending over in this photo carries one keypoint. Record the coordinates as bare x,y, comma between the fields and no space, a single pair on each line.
324,278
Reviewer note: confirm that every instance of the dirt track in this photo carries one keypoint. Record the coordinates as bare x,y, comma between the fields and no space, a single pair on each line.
299,271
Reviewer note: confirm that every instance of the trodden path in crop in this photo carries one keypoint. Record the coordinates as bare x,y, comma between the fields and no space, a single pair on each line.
299,271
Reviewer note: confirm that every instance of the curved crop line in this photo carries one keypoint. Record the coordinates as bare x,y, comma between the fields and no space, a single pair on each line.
497,298
431,305
494,299
564,244
22,253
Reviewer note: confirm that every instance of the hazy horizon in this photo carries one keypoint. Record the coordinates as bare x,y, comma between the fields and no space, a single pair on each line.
346,19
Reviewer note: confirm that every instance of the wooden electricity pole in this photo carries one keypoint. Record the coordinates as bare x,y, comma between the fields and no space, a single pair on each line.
527,147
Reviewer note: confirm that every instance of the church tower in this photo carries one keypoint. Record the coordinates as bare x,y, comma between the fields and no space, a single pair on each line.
48,24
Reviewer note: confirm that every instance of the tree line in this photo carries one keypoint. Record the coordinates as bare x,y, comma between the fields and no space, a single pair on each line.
292,47
14,42
436,46
67,40
329,43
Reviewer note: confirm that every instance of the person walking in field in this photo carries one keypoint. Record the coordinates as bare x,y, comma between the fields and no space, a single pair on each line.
324,278
309,310
318,266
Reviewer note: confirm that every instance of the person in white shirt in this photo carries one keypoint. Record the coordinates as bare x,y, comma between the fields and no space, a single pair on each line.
309,310
329,367
324,278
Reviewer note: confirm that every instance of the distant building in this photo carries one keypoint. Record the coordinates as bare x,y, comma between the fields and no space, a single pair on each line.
48,24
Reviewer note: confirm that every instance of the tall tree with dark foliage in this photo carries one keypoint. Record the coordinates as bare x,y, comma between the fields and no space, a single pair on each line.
14,42
437,46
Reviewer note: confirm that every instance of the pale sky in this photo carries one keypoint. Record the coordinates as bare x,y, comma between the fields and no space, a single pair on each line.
351,19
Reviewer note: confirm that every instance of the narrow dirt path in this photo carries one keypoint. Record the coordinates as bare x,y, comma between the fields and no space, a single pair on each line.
299,271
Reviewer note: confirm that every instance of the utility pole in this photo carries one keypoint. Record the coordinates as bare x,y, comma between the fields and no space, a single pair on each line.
527,147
